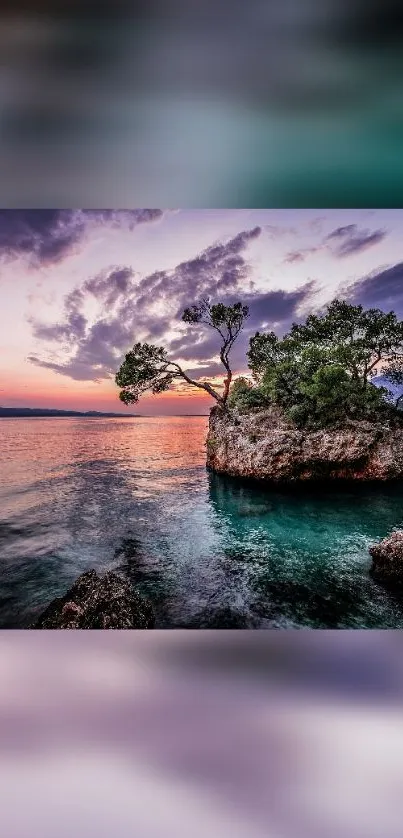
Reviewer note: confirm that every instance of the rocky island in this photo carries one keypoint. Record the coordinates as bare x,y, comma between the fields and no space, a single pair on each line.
320,403
314,406
265,445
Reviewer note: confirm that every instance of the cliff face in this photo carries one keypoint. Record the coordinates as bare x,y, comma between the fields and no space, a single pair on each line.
265,446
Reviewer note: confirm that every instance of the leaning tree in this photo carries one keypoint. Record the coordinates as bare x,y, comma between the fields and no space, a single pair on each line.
149,368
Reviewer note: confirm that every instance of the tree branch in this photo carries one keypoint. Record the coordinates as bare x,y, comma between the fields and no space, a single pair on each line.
203,386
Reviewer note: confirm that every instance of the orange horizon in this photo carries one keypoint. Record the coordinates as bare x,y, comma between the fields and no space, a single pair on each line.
104,396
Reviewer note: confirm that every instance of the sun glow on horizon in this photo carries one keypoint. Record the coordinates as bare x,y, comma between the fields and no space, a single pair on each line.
67,322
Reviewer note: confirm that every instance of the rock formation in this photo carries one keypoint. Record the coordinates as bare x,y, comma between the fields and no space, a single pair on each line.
387,559
98,602
264,445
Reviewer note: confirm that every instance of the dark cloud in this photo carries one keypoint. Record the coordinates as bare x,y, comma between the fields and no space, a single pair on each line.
300,255
276,307
147,309
295,256
94,347
360,242
78,371
95,353
381,289
47,236
341,242
142,309
73,330
39,235
341,232
73,326
110,284
352,240
130,218
270,310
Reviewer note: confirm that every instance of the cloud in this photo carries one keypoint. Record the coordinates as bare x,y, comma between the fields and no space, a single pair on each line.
93,347
110,284
351,240
106,286
150,308
341,232
44,237
381,289
277,307
341,242
269,310
300,255
294,256
276,231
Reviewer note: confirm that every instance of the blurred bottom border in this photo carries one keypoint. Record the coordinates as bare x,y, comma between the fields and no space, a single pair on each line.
282,733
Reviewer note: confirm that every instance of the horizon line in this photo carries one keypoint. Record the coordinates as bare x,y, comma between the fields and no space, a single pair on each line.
92,410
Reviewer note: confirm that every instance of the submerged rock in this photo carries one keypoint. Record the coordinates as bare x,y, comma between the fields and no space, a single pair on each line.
387,559
264,445
98,602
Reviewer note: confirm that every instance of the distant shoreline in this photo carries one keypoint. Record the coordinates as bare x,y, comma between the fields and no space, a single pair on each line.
44,413
41,413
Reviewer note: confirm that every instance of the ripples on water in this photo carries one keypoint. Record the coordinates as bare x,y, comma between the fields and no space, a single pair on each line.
134,495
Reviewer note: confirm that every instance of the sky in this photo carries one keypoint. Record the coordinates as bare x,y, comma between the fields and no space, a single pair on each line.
79,287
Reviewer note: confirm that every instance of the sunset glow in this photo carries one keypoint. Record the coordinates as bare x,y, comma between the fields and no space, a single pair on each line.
78,288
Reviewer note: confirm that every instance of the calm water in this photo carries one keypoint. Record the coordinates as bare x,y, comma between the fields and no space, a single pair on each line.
134,495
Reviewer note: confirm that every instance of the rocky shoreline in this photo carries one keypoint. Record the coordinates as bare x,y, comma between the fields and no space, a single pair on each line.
262,445
98,602
387,560
110,602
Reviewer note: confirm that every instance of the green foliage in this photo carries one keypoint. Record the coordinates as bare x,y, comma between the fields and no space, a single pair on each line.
357,339
320,372
218,316
148,368
332,395
228,322
264,350
244,397
394,374
281,383
322,397
145,368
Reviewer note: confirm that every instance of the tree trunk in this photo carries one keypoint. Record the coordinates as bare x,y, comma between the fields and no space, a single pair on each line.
227,383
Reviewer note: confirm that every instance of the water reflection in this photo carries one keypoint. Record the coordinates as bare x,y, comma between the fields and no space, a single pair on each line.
307,551
209,551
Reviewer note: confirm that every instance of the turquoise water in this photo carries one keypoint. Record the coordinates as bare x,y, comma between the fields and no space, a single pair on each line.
134,495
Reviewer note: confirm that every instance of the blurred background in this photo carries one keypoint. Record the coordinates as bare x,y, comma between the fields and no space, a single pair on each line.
168,103
177,734
295,103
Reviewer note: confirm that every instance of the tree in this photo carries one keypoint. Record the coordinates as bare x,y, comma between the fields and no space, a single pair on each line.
264,350
148,368
357,339
244,396
321,372
394,374
227,321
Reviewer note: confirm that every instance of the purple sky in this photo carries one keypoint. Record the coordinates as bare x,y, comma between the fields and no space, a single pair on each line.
78,288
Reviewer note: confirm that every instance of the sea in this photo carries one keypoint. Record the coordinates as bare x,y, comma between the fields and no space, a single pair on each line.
210,552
